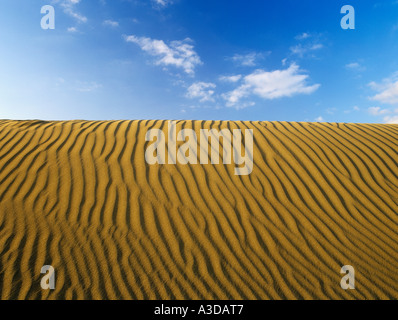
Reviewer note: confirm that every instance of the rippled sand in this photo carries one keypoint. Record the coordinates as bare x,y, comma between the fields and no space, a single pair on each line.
78,195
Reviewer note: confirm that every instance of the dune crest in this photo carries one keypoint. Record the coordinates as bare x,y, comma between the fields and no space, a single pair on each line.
79,196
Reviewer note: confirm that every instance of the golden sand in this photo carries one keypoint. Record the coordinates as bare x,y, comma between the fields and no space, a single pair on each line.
78,195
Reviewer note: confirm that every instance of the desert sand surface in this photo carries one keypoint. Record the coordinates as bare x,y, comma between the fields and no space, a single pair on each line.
79,196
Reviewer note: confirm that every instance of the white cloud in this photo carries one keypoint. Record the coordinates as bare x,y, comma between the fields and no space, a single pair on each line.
388,90
316,46
307,44
279,83
354,108
234,96
377,111
87,86
69,8
331,110
271,85
235,78
391,116
201,90
319,119
72,29
180,54
243,105
111,23
302,50
161,3
355,66
303,36
352,65
391,119
248,60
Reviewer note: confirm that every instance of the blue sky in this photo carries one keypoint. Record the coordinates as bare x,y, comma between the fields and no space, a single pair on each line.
198,59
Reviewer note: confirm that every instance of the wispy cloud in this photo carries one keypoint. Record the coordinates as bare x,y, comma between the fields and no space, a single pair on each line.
271,85
180,54
161,3
391,119
331,110
69,8
355,66
387,90
249,59
77,85
301,50
201,90
303,36
355,108
308,43
244,104
232,79
83,86
390,116
319,119
377,111
111,23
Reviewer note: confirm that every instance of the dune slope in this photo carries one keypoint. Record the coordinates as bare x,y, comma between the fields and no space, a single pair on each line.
79,195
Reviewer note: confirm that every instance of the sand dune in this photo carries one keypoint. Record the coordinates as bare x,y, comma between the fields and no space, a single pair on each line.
79,195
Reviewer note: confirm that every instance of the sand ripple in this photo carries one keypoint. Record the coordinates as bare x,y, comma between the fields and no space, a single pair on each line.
78,195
